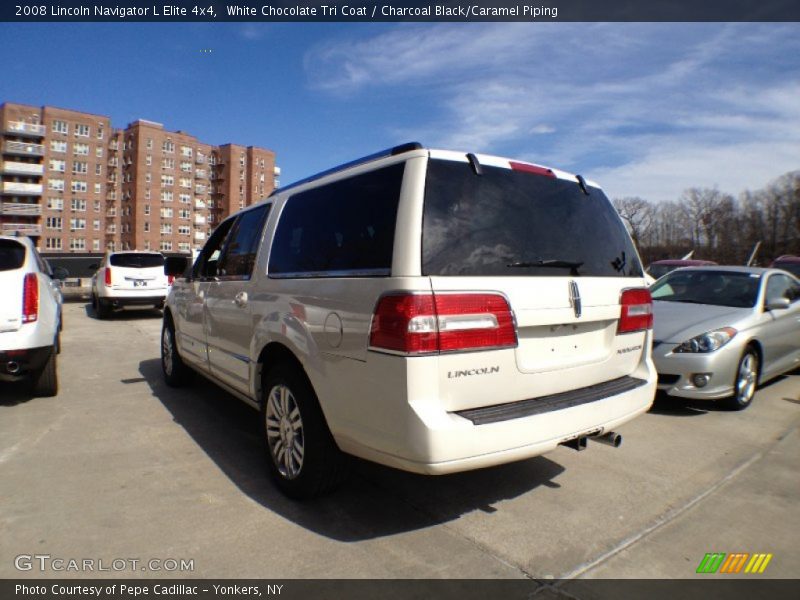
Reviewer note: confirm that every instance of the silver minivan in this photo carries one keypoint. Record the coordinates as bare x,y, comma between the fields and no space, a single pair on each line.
429,310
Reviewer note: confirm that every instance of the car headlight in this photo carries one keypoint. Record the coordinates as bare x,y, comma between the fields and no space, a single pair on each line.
707,342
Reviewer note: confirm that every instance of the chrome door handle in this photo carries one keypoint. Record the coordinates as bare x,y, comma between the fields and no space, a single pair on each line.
241,299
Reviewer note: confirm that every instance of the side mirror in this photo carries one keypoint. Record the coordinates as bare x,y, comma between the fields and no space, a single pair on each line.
781,303
176,265
60,273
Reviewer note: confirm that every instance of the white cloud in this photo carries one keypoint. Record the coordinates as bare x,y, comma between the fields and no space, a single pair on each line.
646,109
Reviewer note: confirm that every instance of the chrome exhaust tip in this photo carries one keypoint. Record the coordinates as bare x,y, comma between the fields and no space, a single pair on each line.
612,438
12,367
578,444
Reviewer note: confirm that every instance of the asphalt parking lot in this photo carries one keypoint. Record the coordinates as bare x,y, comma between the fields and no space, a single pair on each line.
119,466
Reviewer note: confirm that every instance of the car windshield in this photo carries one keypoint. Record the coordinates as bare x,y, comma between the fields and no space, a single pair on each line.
12,255
137,261
718,288
512,223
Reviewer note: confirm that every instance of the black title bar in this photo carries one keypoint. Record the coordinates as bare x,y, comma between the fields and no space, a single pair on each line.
401,10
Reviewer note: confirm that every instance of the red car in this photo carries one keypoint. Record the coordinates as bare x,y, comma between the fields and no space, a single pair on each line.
660,268
787,263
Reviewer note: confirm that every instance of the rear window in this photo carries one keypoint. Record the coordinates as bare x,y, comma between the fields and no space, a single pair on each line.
12,255
136,261
793,268
506,222
342,229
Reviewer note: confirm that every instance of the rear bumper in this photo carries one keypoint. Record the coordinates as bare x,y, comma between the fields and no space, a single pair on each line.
134,300
18,364
439,442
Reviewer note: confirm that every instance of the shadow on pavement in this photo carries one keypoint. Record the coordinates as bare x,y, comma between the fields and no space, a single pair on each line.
374,502
126,314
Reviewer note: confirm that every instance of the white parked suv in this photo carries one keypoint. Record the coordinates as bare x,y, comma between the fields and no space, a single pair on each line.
30,317
429,310
129,278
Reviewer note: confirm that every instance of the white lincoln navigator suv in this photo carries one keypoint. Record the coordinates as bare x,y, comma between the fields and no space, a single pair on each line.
429,310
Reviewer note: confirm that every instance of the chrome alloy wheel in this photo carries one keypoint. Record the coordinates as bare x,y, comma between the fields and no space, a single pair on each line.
166,351
285,431
746,379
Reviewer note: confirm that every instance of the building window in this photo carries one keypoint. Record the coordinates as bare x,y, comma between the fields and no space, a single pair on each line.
166,213
146,226
80,167
96,245
98,169
77,244
55,203
186,182
149,143
148,160
96,206
166,246
80,149
147,209
184,247
167,180
98,152
166,229
147,194
78,205
185,213
100,132
111,228
60,127
97,188
186,151
184,230
55,185
54,223
166,196
96,225
168,163
186,198
81,130
168,146
58,146
79,187
186,166
53,243
148,177
59,166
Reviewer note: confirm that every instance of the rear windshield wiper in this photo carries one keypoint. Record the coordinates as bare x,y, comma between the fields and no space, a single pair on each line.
554,263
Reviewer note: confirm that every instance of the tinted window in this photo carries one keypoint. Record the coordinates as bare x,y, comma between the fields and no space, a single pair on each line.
207,260
12,255
720,288
343,228
239,256
657,271
137,261
793,268
503,222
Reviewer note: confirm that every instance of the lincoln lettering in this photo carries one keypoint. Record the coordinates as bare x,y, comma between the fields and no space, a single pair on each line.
471,372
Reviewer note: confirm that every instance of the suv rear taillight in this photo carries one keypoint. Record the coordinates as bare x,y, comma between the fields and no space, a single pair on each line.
431,323
30,298
108,275
636,313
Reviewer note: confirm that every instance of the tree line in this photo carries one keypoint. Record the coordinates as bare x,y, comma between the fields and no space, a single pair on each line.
717,226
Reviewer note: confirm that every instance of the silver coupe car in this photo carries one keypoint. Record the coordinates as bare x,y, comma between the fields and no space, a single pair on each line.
719,332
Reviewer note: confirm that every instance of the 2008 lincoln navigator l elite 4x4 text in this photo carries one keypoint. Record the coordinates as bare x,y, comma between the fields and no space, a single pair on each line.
429,310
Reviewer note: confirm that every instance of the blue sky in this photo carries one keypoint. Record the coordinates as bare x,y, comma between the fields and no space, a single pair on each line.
644,109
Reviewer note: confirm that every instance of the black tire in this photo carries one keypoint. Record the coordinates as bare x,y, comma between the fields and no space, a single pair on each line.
175,371
745,381
45,381
291,418
102,309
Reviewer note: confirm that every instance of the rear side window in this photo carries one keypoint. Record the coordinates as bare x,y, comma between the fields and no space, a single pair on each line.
510,223
12,255
345,228
136,261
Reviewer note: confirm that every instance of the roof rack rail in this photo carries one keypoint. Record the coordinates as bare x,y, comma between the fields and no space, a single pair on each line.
393,151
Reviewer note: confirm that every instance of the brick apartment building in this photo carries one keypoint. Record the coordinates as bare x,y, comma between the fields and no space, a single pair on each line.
73,183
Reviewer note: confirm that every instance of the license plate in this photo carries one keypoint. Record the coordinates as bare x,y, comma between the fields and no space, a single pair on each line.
139,283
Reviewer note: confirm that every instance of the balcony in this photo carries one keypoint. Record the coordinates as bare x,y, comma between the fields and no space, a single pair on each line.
276,171
199,220
199,204
21,229
199,235
200,174
20,208
199,189
22,128
200,159
19,168
23,148
21,189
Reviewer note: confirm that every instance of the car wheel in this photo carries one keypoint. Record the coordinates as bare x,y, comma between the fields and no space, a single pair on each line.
744,386
302,455
176,373
45,381
102,309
